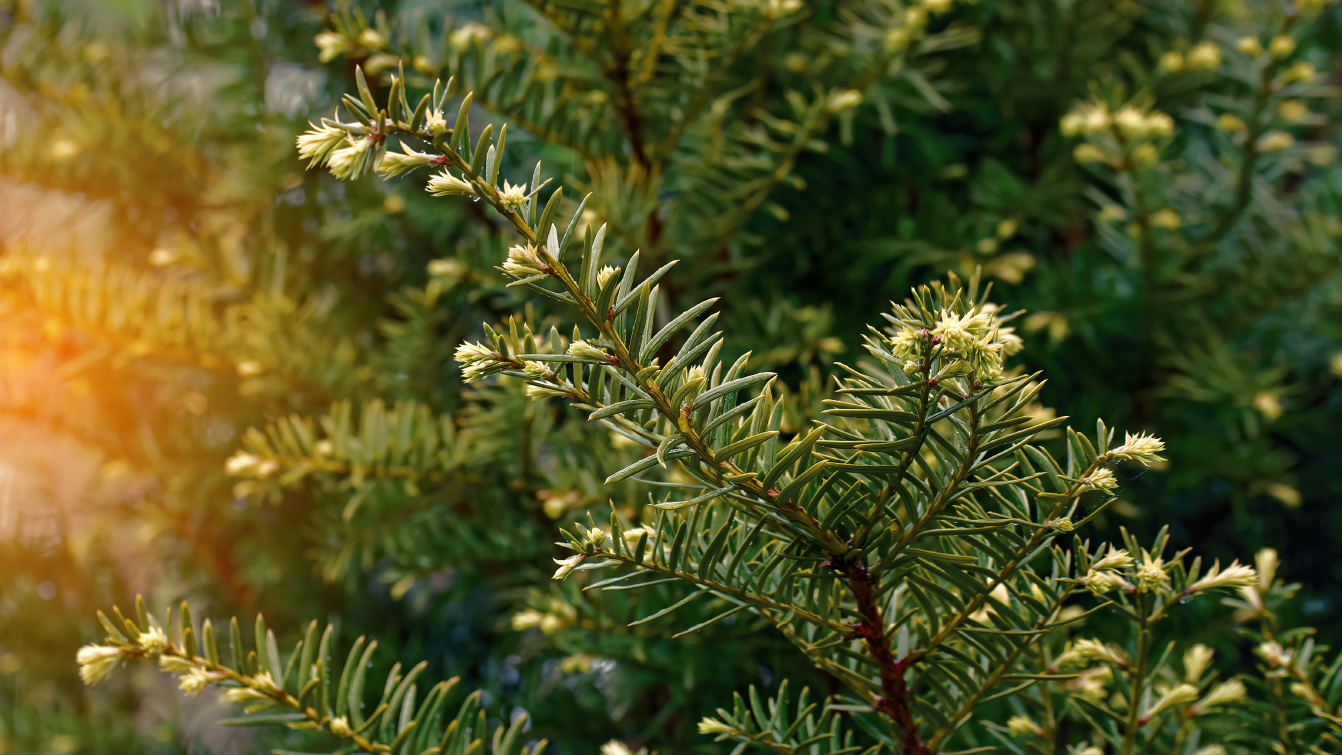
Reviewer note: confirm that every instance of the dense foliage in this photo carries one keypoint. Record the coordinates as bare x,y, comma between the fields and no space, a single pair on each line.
240,374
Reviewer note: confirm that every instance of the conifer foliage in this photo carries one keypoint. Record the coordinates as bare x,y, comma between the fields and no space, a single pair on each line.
593,369
910,545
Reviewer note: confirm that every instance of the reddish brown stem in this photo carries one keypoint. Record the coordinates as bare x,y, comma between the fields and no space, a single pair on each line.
894,701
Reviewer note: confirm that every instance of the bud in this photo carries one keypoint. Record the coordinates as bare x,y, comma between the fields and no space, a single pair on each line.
1166,218
844,100
195,680
445,268
584,350
1293,110
174,665
1228,122
524,261
396,163
1088,118
435,123
1024,726
1116,559
152,642
424,65
1094,650
512,197
332,45
1061,524
897,40
544,391
1249,46
317,144
1273,654
1266,562
1180,694
1089,153
1100,479
1323,155
1130,122
1225,692
346,162
1141,448
1071,124
527,619
467,33
1275,141
1302,72
1196,661
97,661
444,184
1101,582
1159,124
1301,689
371,38
536,369
566,566
1112,213
1151,574
241,463
1251,596
1145,155
1172,61
604,274
470,353
1235,576
591,539
380,62
1204,57
714,726
1281,46
1267,404
1091,683
249,693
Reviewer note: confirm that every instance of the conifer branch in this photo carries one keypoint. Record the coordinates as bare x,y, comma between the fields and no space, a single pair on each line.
260,679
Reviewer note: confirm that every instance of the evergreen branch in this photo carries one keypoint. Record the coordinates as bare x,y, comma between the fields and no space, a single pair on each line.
128,313
1229,216
260,679
709,87
894,701
740,595
995,675
775,728
950,343
1022,555
623,358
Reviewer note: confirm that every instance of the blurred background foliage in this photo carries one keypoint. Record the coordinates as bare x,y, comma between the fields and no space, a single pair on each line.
181,301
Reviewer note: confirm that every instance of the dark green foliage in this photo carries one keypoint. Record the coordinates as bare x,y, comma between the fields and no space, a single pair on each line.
254,362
